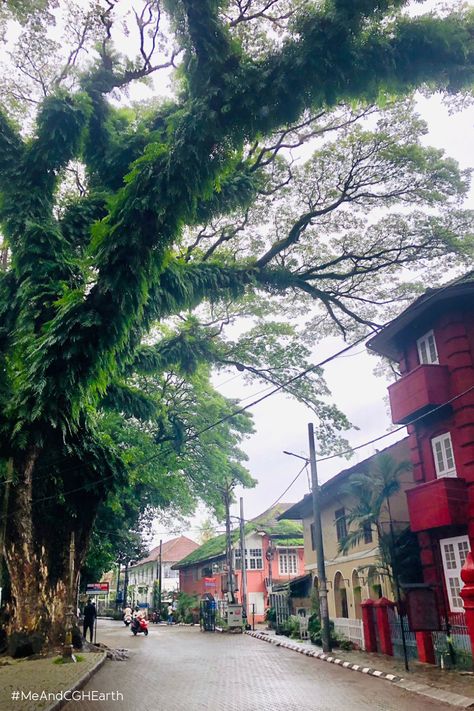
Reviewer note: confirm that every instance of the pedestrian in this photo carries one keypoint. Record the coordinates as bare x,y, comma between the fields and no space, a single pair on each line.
90,614
170,615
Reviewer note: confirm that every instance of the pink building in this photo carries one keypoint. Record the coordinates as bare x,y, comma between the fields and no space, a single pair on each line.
274,554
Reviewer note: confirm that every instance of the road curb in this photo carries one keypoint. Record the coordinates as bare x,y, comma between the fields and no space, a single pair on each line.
409,685
82,681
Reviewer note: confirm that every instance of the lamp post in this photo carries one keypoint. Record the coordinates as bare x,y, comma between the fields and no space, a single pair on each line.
243,561
318,541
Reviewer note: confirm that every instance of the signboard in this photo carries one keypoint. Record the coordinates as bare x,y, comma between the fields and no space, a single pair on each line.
210,582
97,588
423,615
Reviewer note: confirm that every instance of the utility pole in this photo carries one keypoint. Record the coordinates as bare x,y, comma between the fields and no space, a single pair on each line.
228,537
318,544
160,574
243,560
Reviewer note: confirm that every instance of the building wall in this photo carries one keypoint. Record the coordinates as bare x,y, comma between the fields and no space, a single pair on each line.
197,579
141,580
453,329
454,335
348,585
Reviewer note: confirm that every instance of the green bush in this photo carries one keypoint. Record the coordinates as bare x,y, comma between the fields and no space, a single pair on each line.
186,604
346,644
270,614
294,626
314,629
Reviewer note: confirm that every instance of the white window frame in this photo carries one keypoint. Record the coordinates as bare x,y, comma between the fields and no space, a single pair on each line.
253,559
425,349
453,560
443,455
287,563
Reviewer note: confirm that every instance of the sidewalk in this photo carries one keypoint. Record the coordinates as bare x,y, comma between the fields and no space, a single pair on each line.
427,679
19,677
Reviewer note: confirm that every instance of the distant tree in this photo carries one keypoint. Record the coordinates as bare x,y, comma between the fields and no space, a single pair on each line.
207,530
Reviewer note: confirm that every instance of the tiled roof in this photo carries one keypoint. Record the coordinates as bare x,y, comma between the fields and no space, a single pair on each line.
386,341
399,451
171,551
289,533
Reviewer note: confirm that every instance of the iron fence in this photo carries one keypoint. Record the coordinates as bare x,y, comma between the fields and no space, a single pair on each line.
456,648
396,634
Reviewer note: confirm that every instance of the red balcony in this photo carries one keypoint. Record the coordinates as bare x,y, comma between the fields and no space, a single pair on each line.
421,389
442,502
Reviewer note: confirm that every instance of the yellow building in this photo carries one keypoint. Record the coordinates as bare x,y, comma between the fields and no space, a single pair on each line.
349,582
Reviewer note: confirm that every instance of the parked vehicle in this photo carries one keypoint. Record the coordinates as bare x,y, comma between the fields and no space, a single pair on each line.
139,624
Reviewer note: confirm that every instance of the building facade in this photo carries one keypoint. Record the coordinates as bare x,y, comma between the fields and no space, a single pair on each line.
432,342
274,552
143,576
353,576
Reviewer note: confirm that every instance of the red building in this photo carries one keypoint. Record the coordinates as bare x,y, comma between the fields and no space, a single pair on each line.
433,343
274,554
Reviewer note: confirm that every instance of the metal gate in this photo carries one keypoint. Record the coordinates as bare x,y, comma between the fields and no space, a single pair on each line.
280,602
396,635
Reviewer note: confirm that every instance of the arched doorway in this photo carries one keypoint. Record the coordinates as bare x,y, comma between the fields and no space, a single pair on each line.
357,592
340,596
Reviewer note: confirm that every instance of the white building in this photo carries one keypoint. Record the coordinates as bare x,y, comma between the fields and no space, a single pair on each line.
144,575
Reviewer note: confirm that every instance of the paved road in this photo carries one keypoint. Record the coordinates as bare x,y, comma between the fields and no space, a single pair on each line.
183,669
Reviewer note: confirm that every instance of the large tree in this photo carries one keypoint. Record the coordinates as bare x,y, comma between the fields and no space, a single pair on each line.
146,235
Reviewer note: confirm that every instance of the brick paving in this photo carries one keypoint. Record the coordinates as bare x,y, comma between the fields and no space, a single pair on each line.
183,669
38,676
450,680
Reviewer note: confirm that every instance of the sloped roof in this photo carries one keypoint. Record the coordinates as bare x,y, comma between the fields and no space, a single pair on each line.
385,342
288,533
171,551
399,451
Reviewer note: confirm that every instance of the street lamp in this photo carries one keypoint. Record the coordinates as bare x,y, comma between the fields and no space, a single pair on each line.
318,541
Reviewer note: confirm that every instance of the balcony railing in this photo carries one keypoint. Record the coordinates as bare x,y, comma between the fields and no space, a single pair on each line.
417,392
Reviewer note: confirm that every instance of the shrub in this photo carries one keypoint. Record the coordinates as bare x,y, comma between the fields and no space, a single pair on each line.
346,644
315,635
294,626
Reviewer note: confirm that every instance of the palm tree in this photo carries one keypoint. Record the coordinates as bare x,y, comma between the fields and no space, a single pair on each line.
372,490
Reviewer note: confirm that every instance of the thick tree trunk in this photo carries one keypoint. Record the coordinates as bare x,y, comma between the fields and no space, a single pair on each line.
37,548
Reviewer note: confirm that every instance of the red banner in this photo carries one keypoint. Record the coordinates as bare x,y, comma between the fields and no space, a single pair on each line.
97,587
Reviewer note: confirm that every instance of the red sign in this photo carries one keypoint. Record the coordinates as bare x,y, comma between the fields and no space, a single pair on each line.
210,582
97,587
423,612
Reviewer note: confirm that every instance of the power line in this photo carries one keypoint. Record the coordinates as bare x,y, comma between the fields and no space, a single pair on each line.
305,465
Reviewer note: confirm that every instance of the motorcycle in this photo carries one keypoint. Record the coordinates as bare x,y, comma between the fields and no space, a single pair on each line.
139,624
127,619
